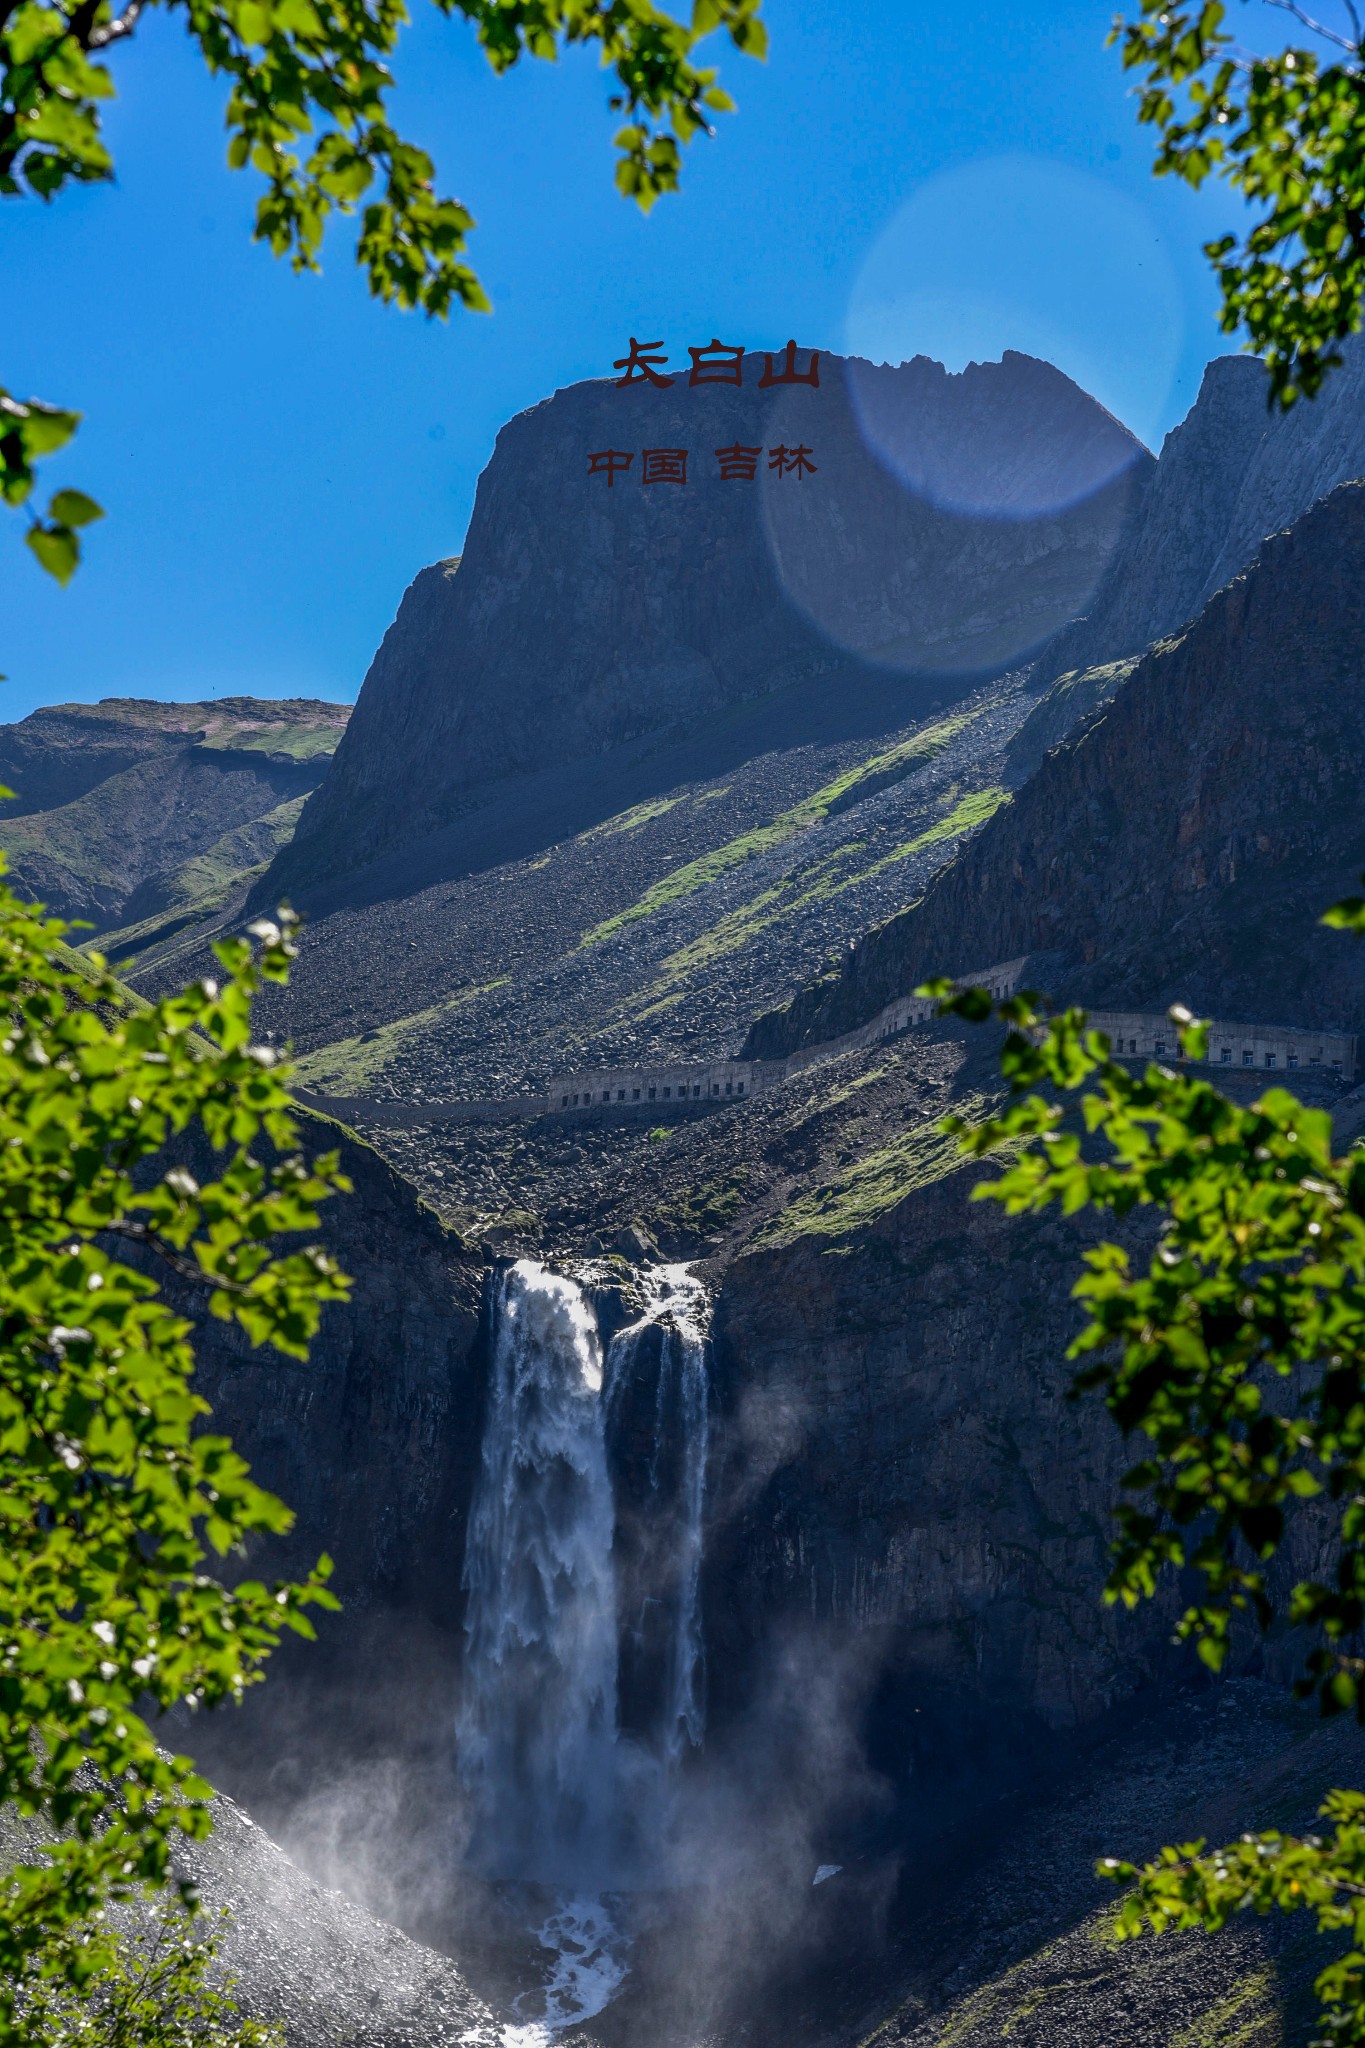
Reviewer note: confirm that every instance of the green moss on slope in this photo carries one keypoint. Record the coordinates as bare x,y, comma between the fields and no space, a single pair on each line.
965,816
870,1187
630,821
816,883
701,1211
812,810
1248,2015
784,898
349,1065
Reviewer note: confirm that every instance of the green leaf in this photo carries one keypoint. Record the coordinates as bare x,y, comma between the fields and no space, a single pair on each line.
1348,915
73,508
46,428
57,550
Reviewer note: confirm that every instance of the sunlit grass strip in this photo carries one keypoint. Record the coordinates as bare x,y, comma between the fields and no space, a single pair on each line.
873,1186
812,810
965,816
868,1189
351,1062
630,821
816,884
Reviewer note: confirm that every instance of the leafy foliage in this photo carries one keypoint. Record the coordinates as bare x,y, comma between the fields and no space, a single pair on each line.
1193,1886
111,1503
308,111
1238,1353
1287,132
1257,1276
28,431
152,1989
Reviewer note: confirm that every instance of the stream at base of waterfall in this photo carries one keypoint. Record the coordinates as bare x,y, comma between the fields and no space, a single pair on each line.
562,1797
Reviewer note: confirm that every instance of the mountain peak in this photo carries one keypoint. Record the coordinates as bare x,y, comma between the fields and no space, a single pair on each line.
644,558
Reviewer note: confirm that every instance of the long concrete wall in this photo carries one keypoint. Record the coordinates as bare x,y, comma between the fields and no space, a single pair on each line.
1137,1035
723,1080
1132,1034
904,1013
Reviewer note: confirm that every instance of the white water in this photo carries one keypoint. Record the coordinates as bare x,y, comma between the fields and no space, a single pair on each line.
537,1725
557,1792
676,1300
589,1951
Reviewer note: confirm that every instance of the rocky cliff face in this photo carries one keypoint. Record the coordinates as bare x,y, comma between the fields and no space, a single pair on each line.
905,1473
374,1443
948,525
1230,474
1186,841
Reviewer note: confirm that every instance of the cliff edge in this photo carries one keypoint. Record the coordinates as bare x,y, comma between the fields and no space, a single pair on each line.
1185,842
643,561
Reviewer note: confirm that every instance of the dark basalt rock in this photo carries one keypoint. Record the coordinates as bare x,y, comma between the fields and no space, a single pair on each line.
951,525
900,1470
1231,473
374,1442
1186,841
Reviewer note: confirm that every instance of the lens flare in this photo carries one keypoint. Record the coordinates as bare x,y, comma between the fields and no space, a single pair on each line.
1014,253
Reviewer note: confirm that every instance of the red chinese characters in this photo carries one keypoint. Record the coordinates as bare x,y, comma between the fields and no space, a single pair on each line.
738,462
791,462
720,362
717,363
609,462
789,374
663,466
639,364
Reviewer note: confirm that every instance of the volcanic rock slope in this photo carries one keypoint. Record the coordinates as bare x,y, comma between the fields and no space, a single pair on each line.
1185,842
656,933
654,749
300,1955
156,816
1231,473
940,525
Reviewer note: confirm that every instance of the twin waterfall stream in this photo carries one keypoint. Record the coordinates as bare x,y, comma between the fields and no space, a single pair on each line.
584,1669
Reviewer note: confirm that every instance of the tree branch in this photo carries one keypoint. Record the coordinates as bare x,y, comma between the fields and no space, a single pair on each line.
188,1269
114,31
1319,28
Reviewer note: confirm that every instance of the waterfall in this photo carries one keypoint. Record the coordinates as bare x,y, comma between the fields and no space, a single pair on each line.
561,1796
537,1725
676,1304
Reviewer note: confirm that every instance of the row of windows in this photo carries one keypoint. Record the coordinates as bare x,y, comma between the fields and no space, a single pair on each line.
649,1095
1291,1059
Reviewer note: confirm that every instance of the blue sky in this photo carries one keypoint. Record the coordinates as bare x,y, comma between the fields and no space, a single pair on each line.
279,455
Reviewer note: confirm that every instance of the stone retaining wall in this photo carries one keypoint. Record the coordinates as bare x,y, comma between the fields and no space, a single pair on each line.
637,1087
1136,1035
1133,1034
